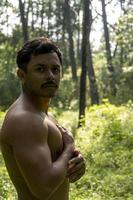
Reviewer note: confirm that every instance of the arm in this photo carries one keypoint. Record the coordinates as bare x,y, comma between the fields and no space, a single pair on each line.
33,157
76,165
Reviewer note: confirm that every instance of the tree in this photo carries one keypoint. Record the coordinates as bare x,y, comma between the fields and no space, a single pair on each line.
24,18
78,9
9,85
110,66
124,40
126,5
91,73
68,15
85,36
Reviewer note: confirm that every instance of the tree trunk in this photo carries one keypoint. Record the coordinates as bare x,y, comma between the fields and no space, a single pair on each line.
66,62
108,52
92,79
71,43
82,100
24,21
78,39
48,19
32,16
42,16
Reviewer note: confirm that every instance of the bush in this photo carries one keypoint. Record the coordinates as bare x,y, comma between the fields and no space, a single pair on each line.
7,191
107,144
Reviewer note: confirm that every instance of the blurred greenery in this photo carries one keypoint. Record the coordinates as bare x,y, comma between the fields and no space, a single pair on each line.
107,145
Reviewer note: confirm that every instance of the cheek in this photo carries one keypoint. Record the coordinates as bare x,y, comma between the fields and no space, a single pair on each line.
32,82
34,79
58,80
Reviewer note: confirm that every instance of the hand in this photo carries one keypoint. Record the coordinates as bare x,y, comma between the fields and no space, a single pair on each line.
76,167
67,138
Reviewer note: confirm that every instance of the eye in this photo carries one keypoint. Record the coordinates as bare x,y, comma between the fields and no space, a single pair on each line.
40,69
56,69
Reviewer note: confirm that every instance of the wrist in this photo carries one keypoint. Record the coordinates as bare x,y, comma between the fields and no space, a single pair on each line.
69,149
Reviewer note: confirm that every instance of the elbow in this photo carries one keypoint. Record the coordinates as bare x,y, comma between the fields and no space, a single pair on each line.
47,191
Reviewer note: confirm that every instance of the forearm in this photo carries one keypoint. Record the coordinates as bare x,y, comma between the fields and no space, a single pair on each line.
55,176
59,168
61,164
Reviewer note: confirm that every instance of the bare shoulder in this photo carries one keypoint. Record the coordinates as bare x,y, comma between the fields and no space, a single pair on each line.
22,124
53,117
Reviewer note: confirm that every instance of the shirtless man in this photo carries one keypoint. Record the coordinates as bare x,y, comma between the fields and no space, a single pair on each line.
39,154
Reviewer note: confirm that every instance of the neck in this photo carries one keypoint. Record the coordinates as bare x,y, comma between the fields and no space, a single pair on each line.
39,103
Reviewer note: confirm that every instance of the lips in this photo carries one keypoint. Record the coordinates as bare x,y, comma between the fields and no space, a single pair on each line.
44,85
50,85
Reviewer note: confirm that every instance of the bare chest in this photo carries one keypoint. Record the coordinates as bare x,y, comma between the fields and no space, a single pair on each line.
54,140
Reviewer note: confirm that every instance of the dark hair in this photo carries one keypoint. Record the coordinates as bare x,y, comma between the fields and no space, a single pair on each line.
36,46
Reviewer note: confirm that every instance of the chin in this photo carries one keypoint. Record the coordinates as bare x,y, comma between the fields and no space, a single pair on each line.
49,95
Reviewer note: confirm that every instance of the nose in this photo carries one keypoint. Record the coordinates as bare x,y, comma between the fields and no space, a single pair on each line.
49,75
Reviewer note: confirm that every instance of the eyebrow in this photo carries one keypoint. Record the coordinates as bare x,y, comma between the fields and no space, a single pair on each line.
43,65
39,64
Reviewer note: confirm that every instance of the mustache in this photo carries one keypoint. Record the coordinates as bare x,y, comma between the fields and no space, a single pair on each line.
49,83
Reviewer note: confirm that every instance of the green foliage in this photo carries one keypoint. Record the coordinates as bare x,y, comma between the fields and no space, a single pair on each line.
7,191
124,39
107,144
2,114
123,78
125,85
66,97
9,86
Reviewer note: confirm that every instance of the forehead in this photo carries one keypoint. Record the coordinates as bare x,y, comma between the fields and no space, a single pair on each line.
47,59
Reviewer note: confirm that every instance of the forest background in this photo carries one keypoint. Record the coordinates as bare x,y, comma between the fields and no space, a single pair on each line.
95,99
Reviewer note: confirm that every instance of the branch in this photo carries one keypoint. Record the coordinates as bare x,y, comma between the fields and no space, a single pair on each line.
99,14
108,2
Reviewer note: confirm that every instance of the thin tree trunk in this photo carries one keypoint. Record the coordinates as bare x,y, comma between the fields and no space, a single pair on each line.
82,99
42,15
66,63
78,40
48,19
108,52
92,79
71,43
32,22
24,20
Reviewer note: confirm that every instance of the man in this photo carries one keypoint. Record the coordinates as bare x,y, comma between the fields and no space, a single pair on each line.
39,154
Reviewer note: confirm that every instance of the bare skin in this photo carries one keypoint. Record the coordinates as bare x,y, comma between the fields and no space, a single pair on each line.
40,155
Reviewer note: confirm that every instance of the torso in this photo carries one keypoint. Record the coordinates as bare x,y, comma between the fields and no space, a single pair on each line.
56,146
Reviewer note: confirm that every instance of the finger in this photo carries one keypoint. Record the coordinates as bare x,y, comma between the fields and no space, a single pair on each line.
75,165
80,170
61,127
76,176
76,160
70,166
76,169
62,130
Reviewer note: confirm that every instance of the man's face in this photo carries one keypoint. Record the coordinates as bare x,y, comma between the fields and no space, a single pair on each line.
43,75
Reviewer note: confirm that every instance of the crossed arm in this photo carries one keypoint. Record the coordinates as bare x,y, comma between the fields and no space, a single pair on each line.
76,165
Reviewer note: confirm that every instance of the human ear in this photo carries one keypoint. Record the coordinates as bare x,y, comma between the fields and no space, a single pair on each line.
21,75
